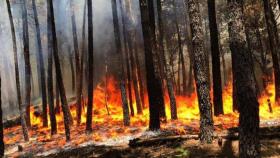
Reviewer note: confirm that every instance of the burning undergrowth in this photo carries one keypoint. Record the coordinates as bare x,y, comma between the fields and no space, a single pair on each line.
109,130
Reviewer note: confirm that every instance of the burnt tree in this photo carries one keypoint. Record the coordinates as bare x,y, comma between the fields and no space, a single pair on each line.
201,73
216,69
167,71
27,66
90,68
274,44
121,75
19,99
41,65
66,111
153,80
249,145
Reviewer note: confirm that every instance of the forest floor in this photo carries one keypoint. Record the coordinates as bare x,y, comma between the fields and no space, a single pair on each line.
163,144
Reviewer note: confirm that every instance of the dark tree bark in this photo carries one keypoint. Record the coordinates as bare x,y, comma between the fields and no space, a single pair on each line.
274,44
134,77
167,71
127,58
153,80
121,74
41,66
245,84
90,68
2,146
80,81
22,114
26,54
216,69
66,111
201,73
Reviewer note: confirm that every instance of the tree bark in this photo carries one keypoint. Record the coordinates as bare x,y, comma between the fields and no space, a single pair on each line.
245,83
274,44
167,71
90,68
216,68
126,118
201,73
41,66
81,76
26,54
22,114
153,80
66,111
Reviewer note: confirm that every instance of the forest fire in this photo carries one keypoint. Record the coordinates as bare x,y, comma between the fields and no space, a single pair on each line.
110,127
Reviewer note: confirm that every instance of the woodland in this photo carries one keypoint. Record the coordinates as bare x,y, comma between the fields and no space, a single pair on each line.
140,78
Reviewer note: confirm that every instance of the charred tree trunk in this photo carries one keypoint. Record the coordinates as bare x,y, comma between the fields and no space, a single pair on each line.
201,73
21,111
77,59
26,54
274,45
41,66
127,58
2,146
153,80
90,68
80,81
57,102
126,118
245,84
50,82
66,111
216,68
167,71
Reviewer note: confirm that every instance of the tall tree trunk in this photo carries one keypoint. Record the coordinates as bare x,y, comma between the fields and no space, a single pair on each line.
153,80
2,146
126,118
245,84
50,83
41,66
21,111
72,67
216,68
167,71
127,58
80,81
90,68
274,44
134,78
66,111
77,57
26,54
201,73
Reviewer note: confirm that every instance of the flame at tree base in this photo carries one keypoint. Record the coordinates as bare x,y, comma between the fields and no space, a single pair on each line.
111,126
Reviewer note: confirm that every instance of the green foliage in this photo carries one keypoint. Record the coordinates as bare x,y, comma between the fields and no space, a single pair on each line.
182,153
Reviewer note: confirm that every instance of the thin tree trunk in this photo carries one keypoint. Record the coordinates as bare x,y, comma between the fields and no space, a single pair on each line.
50,84
2,146
72,67
57,102
126,51
22,114
139,75
245,84
27,64
81,77
126,118
216,68
167,71
90,68
66,111
41,66
153,80
274,45
201,73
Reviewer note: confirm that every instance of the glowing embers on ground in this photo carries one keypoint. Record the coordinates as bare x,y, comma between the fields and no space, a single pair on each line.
109,128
